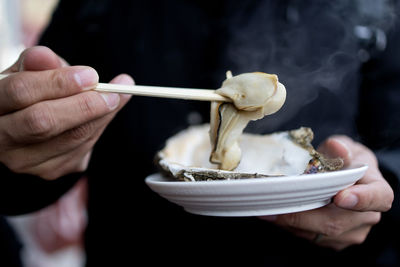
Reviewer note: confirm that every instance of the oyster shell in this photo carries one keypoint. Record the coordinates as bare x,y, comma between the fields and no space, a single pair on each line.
186,156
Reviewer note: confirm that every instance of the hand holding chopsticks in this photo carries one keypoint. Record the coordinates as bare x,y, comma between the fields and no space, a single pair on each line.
157,91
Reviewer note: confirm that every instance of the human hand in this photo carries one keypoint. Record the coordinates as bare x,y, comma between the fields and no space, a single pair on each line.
348,220
49,119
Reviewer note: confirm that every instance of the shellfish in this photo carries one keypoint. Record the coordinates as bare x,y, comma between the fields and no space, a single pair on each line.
186,156
221,151
254,95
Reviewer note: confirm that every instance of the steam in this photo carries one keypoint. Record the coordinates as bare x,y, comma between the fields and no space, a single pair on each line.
309,44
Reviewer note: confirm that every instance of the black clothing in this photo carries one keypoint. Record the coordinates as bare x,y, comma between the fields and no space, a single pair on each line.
339,80
10,246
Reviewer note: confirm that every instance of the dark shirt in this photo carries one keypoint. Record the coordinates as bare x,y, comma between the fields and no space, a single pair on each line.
338,60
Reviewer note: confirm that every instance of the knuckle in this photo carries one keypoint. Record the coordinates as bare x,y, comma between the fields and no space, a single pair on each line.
39,121
293,219
89,105
380,199
18,93
333,228
58,80
82,132
367,200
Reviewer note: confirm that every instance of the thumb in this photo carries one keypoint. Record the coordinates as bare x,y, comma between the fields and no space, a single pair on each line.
337,146
371,192
37,58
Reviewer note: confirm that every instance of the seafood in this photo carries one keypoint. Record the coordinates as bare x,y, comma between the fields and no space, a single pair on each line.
254,96
220,150
186,156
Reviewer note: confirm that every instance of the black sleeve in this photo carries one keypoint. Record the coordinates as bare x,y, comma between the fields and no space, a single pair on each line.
22,193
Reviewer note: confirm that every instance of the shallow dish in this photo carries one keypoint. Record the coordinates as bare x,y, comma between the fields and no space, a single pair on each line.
256,196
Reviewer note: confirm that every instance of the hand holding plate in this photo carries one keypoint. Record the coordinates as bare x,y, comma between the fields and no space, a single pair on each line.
341,223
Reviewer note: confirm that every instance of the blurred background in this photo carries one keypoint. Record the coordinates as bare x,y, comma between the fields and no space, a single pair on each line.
53,235
21,23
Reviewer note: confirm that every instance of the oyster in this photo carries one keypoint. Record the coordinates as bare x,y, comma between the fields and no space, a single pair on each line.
254,95
186,156
190,155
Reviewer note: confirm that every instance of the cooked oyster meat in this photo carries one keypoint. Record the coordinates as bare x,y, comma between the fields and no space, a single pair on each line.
254,95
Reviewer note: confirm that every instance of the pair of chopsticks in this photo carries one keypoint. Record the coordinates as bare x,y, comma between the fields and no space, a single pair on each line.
158,91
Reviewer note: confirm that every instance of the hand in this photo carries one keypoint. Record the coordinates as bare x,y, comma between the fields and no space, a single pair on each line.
49,120
348,220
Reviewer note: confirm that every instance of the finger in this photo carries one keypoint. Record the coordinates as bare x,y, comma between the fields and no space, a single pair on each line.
47,119
308,235
372,196
337,146
86,148
36,125
37,58
50,118
41,58
328,220
127,80
24,89
74,161
24,158
353,237
372,192
28,156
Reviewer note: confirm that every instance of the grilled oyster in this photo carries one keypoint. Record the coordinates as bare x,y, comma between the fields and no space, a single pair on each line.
254,95
191,156
186,156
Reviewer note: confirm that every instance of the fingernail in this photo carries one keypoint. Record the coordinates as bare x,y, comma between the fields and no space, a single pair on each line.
111,99
86,77
349,201
21,63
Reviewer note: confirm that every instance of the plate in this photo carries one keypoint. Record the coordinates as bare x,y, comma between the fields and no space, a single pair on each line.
256,196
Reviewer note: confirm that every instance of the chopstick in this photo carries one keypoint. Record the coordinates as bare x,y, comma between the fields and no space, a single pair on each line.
158,91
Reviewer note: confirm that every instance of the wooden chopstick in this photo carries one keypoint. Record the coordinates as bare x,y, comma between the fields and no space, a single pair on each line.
158,91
